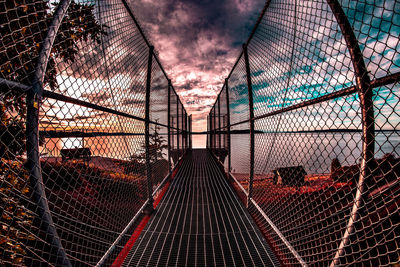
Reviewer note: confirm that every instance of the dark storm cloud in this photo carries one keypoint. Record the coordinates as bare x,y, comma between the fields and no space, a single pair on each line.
197,42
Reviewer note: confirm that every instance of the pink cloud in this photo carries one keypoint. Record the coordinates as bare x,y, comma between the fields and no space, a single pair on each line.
197,44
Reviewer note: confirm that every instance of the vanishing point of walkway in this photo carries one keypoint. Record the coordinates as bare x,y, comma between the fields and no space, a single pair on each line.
200,222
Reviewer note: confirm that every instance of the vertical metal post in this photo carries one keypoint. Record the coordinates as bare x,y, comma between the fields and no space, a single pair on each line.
228,118
210,126
177,127
169,125
215,137
208,131
214,130
190,132
33,101
187,131
183,132
36,180
368,124
216,127
149,207
183,129
173,137
211,130
219,123
251,121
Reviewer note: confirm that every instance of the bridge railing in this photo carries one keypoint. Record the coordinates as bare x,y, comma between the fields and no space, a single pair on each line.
307,125
91,128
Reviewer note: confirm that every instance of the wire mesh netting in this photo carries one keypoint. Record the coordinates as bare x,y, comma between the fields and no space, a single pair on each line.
323,179
179,123
307,125
183,127
174,124
223,148
201,223
84,130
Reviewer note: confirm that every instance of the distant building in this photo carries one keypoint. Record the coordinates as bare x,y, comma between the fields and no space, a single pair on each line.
290,176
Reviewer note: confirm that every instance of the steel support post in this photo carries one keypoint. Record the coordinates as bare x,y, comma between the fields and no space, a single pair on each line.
183,130
187,130
214,134
149,207
251,121
211,128
214,129
34,98
368,124
169,125
177,126
219,124
228,123
190,132
208,132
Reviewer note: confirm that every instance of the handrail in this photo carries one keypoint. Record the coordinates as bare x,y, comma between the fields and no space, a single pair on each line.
325,122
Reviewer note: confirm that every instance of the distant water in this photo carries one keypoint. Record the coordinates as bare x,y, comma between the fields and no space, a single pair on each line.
314,151
118,147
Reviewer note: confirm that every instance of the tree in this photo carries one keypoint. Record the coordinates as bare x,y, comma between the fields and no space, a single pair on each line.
158,163
23,27
157,145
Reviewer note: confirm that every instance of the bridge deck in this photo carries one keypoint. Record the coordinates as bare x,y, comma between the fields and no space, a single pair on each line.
200,222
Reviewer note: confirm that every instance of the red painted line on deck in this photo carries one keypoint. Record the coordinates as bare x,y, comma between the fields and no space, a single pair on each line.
160,196
128,246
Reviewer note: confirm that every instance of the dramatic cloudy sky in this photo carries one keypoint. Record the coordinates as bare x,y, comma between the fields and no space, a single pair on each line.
198,42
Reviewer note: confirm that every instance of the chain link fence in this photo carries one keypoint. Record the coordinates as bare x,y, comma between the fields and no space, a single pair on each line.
89,130
307,125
